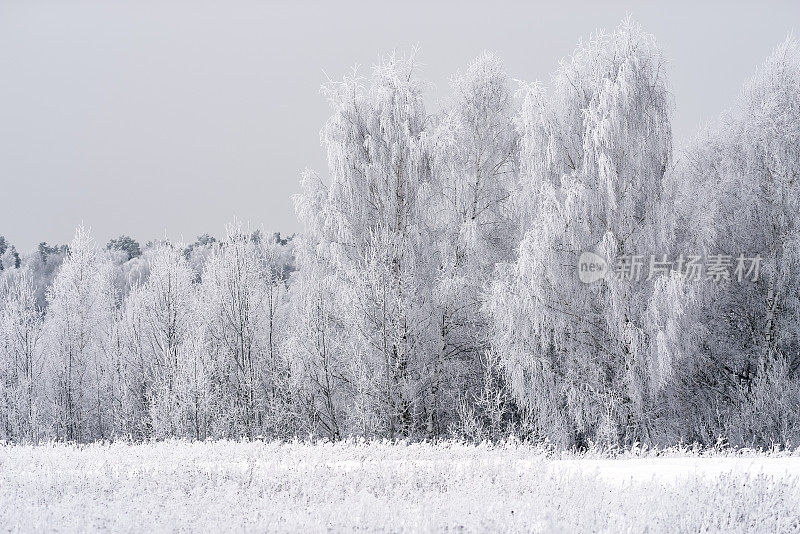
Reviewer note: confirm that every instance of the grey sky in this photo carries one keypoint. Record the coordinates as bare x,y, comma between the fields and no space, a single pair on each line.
139,117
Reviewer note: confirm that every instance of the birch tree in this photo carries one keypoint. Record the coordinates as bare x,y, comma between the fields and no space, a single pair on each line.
595,150
472,215
240,295
157,320
77,331
21,417
373,241
737,197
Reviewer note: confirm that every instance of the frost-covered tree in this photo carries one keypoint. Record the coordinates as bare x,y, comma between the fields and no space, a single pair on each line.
127,245
9,257
316,341
198,252
44,265
195,390
736,195
594,152
240,296
21,416
472,215
371,238
156,322
77,333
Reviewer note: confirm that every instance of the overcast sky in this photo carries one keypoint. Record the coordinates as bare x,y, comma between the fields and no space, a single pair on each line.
146,118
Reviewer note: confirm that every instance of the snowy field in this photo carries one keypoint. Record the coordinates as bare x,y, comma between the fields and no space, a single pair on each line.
227,486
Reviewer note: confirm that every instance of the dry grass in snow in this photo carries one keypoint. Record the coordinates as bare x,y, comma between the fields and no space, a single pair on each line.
256,487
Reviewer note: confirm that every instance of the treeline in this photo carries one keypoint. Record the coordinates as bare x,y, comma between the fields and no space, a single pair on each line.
170,341
435,291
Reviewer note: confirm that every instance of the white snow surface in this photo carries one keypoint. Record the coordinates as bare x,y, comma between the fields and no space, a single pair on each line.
383,487
678,469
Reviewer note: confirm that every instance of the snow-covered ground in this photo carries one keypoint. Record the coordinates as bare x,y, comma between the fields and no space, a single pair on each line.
678,469
227,486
